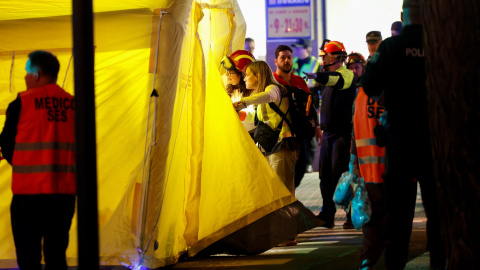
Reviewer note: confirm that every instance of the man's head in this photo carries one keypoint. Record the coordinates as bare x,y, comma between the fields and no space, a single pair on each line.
283,59
303,47
42,68
373,41
396,28
411,12
355,62
333,54
249,45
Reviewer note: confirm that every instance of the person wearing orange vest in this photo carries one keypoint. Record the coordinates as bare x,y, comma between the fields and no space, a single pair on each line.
38,141
368,161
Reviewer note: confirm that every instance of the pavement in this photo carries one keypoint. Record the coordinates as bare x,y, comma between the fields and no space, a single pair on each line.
318,248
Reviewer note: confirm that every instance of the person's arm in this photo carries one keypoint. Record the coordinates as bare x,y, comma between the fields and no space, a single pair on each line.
271,94
7,138
339,80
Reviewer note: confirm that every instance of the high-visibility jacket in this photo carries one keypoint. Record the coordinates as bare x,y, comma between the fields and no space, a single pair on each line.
311,66
44,159
265,112
371,157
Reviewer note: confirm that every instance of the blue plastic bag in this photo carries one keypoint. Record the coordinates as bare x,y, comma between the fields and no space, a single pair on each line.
361,207
344,191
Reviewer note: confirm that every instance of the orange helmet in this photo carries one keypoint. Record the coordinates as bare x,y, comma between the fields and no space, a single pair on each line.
238,60
332,48
355,57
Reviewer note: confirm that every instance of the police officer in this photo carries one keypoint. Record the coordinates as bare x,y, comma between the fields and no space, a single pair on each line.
398,68
38,141
335,122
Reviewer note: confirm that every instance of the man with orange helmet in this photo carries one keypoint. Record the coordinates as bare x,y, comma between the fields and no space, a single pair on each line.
335,121
235,66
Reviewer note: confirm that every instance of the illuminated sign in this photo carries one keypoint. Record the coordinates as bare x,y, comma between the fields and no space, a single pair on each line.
289,19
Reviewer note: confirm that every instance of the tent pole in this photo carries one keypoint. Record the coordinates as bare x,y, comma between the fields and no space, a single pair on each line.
141,242
86,172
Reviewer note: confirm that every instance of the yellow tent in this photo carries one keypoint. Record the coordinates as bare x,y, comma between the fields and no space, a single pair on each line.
176,172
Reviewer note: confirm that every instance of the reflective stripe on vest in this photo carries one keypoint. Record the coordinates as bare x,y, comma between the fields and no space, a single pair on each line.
44,154
371,157
265,113
371,160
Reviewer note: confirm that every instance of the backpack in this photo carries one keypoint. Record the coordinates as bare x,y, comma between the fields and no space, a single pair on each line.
302,124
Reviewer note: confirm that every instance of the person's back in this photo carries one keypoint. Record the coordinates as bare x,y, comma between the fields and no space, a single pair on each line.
38,140
402,71
398,69
47,122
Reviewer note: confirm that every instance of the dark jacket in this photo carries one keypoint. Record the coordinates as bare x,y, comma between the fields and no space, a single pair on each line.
398,69
337,102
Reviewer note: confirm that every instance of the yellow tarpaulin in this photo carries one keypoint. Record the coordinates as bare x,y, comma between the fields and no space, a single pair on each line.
173,179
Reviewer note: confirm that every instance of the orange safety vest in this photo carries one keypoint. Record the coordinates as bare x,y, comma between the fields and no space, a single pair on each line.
371,157
44,154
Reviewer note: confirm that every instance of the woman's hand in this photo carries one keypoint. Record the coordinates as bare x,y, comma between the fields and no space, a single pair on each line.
239,105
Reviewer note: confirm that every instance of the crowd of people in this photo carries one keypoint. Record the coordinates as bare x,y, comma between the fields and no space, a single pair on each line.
363,128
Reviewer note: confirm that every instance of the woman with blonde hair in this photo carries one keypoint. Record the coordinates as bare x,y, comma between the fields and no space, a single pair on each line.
267,91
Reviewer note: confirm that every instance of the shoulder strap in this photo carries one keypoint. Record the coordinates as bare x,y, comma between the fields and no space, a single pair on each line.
265,115
279,112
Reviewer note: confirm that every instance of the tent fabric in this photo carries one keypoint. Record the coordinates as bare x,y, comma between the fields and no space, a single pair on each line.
165,188
271,230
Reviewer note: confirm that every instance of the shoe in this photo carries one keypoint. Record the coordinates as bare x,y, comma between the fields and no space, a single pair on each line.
366,265
348,225
288,244
292,243
322,221
309,169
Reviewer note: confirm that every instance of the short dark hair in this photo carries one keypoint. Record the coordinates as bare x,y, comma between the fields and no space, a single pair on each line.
282,48
249,39
46,62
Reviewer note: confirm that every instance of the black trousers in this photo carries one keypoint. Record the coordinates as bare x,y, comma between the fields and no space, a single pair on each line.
407,164
37,217
334,159
305,158
374,231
